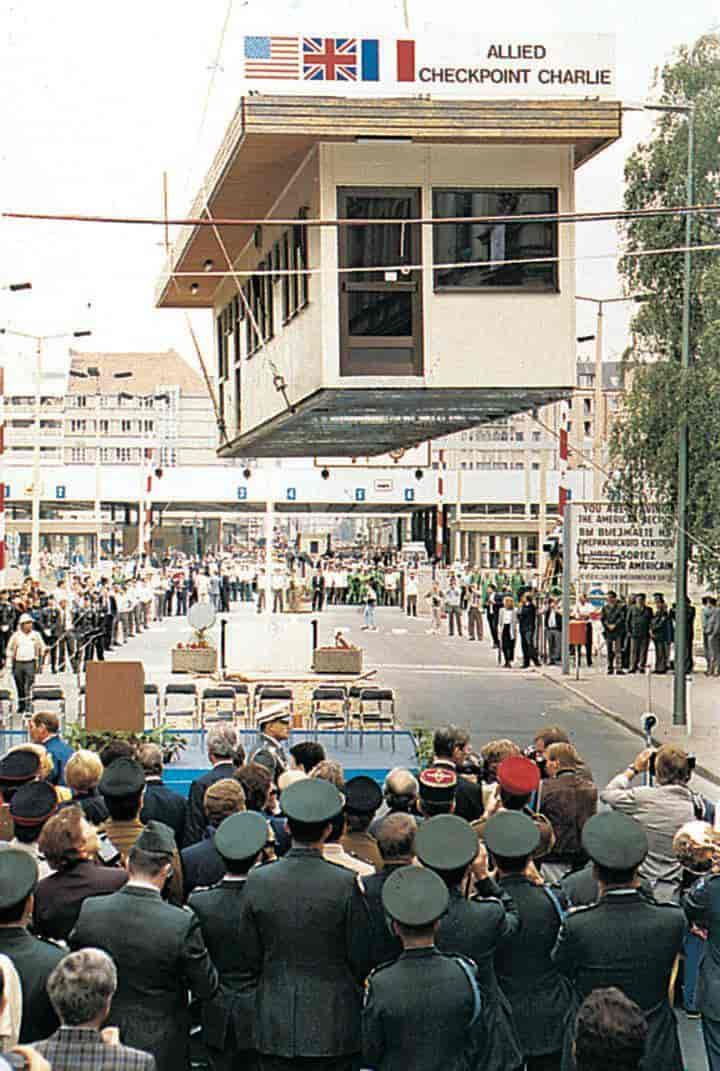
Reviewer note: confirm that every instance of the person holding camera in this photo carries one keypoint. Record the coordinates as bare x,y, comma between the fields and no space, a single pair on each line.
451,747
661,808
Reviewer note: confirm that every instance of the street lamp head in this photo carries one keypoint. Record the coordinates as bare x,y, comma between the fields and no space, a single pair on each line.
122,375
77,374
14,287
585,338
81,334
639,298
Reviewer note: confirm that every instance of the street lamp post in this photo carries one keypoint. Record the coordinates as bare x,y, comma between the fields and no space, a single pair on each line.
13,288
93,372
682,640
39,341
597,428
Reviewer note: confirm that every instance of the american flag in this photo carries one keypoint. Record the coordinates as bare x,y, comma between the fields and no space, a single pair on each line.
272,57
330,59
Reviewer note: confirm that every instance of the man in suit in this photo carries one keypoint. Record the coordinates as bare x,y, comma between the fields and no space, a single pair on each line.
160,956
540,997
161,803
401,1027
474,928
228,1018
273,725
81,989
625,939
44,729
451,747
303,929
51,630
32,958
202,864
225,754
639,618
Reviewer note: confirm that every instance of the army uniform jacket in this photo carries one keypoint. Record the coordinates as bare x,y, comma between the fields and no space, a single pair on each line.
422,1013
539,995
160,954
303,928
475,928
702,906
218,909
33,959
628,941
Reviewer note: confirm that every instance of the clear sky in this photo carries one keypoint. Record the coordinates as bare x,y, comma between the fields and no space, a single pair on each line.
99,100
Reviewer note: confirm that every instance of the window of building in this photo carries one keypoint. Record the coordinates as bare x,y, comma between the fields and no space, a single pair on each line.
123,454
24,399
519,436
587,427
293,258
587,406
126,426
104,427
168,457
535,466
50,424
586,379
77,455
536,436
148,426
485,255
17,423
78,425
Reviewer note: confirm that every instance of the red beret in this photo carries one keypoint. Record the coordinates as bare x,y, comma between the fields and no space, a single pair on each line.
518,776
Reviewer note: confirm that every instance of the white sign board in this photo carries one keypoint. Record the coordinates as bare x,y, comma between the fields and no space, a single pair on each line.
465,66
612,549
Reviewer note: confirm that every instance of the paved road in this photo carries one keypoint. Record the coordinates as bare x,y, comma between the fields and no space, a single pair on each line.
440,680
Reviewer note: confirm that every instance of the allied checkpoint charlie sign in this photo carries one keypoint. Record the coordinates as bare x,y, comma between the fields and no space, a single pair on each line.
611,549
441,64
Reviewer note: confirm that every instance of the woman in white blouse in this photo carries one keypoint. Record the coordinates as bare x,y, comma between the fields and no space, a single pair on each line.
507,628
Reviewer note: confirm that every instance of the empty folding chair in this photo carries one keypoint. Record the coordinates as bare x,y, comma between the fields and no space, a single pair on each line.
217,698
188,693
272,693
377,707
151,694
7,708
329,708
47,696
243,709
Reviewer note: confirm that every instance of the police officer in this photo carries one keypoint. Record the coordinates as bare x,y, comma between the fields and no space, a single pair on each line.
32,958
474,928
228,1018
625,939
96,648
8,619
402,1025
303,928
51,630
539,995
273,725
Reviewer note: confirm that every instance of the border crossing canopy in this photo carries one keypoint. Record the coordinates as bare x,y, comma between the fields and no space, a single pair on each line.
611,548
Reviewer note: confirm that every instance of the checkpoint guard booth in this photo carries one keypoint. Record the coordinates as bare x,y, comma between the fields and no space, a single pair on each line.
402,272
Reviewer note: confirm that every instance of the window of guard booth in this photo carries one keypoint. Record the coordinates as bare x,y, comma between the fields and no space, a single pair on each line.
486,255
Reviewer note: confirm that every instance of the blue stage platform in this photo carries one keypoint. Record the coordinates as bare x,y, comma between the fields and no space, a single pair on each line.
374,758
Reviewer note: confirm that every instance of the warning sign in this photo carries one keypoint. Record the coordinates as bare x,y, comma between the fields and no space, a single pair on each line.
610,548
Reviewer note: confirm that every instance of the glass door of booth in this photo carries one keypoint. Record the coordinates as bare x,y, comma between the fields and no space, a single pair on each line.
381,296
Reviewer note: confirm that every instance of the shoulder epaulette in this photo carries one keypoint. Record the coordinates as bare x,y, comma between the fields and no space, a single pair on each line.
582,907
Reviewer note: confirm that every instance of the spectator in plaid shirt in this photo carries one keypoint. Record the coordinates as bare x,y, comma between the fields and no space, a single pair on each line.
81,989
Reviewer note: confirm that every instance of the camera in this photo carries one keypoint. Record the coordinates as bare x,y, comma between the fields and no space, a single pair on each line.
537,757
473,766
107,853
648,722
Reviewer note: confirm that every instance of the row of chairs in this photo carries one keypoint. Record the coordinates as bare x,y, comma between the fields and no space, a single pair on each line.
336,707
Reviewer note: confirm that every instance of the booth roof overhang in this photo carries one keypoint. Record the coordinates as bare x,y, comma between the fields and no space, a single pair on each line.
270,136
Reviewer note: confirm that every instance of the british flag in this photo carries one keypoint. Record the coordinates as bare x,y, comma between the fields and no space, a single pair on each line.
330,59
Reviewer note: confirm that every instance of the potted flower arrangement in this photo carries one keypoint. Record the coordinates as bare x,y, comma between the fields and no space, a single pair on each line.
198,656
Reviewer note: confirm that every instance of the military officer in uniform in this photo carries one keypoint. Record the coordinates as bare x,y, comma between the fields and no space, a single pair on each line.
539,995
228,1018
8,619
702,907
625,939
32,958
51,630
474,928
363,796
273,725
423,1011
158,950
302,928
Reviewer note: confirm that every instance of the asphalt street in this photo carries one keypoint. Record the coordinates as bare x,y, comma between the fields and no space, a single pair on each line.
437,680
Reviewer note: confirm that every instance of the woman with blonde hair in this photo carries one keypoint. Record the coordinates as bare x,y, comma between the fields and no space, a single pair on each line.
83,771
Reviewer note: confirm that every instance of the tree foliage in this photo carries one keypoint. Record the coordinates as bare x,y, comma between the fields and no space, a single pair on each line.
644,441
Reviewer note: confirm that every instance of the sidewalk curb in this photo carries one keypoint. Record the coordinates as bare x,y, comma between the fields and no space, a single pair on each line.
703,771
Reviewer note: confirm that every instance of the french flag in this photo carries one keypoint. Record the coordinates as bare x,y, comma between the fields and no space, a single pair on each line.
406,61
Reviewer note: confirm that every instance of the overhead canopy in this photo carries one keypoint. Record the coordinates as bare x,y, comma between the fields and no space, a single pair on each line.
269,137
356,422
